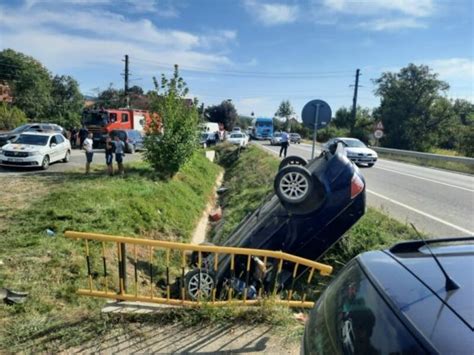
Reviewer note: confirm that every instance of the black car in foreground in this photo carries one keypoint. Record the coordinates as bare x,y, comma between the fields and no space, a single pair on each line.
314,204
415,298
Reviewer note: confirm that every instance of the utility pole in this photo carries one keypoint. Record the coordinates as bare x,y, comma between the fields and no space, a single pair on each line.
126,75
354,100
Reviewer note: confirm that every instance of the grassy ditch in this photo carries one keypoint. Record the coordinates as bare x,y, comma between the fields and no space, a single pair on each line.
440,164
50,267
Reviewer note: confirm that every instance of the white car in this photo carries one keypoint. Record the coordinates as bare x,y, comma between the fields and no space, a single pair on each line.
276,139
36,149
237,139
355,150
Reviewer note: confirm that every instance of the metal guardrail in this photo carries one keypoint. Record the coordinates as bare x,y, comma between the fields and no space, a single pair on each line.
223,267
408,153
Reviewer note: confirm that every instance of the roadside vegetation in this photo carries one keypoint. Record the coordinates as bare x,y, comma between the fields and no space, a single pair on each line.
51,268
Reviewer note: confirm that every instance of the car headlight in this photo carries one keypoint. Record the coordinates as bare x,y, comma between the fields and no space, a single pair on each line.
32,154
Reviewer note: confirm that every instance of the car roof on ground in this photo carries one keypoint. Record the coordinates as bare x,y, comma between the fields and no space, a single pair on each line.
415,285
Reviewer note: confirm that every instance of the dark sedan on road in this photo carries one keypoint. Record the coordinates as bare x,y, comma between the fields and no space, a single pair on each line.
314,204
399,301
132,138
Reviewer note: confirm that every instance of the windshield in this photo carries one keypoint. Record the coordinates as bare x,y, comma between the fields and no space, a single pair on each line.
32,139
236,136
354,143
94,117
21,128
263,124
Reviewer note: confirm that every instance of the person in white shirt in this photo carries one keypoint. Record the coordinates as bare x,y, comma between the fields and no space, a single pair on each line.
119,153
88,147
284,144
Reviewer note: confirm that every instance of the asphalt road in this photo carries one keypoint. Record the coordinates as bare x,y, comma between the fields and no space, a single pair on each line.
437,202
77,161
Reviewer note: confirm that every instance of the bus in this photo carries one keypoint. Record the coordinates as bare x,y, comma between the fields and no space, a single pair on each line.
262,128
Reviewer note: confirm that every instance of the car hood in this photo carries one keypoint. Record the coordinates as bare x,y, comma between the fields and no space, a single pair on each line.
360,151
22,147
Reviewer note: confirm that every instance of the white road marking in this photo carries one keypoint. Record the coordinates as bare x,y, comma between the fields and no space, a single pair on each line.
422,178
422,213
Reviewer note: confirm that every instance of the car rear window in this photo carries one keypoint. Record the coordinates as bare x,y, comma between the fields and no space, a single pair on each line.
352,318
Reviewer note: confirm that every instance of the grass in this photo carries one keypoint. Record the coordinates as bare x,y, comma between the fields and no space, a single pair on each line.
49,268
446,165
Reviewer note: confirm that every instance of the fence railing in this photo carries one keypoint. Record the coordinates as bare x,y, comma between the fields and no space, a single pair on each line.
180,274
420,155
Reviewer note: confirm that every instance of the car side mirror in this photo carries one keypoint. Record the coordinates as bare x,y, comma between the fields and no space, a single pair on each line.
53,145
9,141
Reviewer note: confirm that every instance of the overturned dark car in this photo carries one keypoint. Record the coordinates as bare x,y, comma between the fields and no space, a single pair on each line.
314,204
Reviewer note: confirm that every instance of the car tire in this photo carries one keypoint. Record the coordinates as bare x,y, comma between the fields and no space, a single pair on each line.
370,165
199,284
293,184
67,157
305,201
194,258
45,163
292,160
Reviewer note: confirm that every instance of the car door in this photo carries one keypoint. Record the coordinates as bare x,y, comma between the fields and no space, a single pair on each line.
53,149
62,146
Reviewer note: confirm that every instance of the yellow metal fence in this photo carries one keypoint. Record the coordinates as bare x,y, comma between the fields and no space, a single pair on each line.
180,274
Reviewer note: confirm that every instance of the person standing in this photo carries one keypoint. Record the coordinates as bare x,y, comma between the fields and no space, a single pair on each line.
83,133
109,155
88,146
119,153
284,144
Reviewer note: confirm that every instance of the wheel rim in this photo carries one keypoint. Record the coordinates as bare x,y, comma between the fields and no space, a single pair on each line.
67,156
45,162
200,288
294,185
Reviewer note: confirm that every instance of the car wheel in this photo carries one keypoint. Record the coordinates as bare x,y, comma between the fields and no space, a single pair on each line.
194,259
199,284
292,160
293,184
67,157
45,163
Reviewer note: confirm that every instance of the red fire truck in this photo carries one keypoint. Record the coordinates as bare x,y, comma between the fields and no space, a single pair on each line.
101,122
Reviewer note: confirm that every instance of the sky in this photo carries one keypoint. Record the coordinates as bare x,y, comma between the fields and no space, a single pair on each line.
256,53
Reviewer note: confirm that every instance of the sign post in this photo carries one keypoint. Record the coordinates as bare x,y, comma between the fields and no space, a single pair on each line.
316,114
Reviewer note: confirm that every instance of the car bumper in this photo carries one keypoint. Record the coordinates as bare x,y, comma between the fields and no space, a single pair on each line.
32,162
363,160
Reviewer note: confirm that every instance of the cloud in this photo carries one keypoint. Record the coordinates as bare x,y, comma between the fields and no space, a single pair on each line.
80,38
453,68
384,24
416,8
271,14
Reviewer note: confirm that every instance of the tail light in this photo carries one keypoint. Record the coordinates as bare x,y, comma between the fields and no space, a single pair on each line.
357,186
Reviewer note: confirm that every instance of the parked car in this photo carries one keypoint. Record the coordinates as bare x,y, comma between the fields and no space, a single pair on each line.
132,138
276,138
236,129
295,138
36,149
314,204
237,139
398,301
356,151
35,127
247,138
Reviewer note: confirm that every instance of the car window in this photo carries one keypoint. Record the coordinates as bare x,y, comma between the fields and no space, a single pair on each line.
59,139
352,318
21,128
47,127
124,117
354,143
236,136
32,139
33,128
53,140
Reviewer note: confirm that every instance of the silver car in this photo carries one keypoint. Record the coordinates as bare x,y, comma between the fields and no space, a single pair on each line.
355,150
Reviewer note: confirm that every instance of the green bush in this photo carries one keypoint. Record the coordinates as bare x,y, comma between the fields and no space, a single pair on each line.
171,141
466,141
11,117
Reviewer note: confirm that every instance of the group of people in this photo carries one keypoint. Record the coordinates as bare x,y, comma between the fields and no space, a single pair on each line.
116,147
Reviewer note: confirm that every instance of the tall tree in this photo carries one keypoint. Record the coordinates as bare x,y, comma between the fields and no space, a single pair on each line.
407,107
67,101
111,98
224,113
285,110
29,80
171,141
